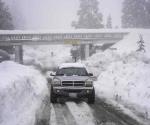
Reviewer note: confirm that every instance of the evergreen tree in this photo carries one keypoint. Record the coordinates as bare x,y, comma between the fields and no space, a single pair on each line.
89,15
5,18
134,14
141,44
5,24
109,22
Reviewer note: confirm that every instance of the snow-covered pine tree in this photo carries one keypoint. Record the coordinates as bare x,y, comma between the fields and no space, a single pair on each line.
109,22
89,15
141,44
134,14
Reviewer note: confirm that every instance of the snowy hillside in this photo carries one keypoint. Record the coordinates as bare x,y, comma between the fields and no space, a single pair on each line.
123,73
22,90
129,43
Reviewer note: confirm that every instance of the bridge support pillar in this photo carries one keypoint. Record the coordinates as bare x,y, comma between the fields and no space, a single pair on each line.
19,54
84,51
87,51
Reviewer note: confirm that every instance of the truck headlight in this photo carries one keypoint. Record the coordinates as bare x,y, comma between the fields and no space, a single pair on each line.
89,83
56,82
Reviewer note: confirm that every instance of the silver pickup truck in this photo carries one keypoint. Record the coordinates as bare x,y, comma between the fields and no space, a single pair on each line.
72,80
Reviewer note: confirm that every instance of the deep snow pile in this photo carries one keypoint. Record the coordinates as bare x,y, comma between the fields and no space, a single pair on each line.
100,61
123,73
47,56
22,90
127,79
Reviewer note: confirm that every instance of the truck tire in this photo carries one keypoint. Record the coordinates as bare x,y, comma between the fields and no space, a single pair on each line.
53,97
91,97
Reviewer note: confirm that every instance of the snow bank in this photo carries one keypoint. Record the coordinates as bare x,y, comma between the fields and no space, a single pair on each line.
123,73
47,57
100,61
127,82
22,90
127,78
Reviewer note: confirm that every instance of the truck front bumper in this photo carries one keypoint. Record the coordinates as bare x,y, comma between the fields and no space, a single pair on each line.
80,91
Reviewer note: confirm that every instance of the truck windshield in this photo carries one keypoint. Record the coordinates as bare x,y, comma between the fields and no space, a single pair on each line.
72,71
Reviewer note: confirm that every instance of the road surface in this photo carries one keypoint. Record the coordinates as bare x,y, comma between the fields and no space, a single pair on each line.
74,112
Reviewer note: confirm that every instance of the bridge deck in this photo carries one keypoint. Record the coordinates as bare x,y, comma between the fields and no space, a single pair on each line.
18,37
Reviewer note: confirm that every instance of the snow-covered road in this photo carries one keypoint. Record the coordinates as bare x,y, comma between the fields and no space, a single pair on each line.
75,112
25,97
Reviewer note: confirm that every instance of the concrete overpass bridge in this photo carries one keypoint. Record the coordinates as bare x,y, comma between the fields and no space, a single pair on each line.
18,38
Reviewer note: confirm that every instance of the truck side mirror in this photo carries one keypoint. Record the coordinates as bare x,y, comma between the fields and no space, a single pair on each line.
52,74
90,74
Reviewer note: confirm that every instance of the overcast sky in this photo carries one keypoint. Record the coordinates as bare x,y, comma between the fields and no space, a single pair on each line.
57,14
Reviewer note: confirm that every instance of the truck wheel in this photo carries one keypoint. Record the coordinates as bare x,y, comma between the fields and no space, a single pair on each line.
91,97
53,97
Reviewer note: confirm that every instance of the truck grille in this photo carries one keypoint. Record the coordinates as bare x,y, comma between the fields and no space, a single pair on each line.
73,83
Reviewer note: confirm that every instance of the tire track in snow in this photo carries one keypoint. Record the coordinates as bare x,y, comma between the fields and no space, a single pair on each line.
68,116
81,112
103,116
74,113
53,116
59,114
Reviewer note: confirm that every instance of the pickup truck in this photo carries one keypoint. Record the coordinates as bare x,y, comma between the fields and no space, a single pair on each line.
72,80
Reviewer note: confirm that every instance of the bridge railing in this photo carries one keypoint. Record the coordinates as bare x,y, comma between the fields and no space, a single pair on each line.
59,37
